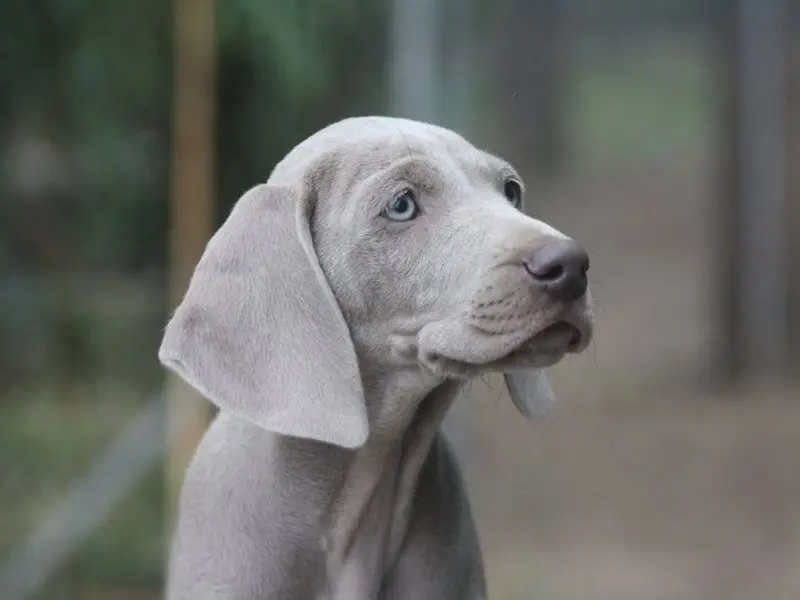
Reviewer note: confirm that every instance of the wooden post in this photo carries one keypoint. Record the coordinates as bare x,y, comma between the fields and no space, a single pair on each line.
459,55
548,92
415,61
532,62
755,208
794,192
729,358
191,209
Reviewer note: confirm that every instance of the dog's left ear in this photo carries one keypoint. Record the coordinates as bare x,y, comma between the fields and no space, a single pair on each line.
259,332
530,392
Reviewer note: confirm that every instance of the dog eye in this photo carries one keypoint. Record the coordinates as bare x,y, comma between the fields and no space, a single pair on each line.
513,191
402,208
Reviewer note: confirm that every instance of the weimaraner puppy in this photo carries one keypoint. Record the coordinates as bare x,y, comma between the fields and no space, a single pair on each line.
333,319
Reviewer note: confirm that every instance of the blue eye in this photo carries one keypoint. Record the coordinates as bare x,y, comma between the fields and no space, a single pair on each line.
513,191
402,208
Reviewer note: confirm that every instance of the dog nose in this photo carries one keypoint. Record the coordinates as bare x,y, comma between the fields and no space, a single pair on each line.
560,267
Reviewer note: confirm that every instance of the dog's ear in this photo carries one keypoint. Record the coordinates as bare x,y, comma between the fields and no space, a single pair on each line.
259,332
530,392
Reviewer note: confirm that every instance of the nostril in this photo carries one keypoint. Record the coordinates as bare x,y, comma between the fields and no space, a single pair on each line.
561,266
550,273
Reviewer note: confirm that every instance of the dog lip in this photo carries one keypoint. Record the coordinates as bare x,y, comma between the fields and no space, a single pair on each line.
575,335
575,340
559,327
553,338
557,330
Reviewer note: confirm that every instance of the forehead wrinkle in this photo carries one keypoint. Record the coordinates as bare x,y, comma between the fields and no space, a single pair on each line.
361,159
346,168
415,172
426,160
419,171
497,170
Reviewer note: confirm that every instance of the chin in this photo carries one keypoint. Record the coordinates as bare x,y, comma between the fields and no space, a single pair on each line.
474,353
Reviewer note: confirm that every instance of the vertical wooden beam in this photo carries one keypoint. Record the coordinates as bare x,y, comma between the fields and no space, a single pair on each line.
191,208
756,252
793,221
550,148
531,71
457,55
729,356
414,59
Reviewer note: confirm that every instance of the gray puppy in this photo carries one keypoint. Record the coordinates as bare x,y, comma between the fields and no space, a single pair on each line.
333,319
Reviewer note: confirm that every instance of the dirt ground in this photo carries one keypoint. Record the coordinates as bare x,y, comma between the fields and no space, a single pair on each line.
645,483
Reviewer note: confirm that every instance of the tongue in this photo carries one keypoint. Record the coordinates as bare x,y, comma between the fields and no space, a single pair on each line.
530,392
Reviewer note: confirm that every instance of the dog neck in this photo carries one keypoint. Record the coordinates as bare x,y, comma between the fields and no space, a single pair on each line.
369,517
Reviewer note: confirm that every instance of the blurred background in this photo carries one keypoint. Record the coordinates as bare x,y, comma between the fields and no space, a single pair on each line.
662,134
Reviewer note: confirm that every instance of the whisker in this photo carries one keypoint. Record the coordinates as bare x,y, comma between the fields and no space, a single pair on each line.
484,379
498,393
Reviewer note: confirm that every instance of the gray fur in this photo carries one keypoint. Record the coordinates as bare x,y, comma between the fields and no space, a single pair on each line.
334,341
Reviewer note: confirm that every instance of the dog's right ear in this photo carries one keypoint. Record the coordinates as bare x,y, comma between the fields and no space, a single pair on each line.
259,332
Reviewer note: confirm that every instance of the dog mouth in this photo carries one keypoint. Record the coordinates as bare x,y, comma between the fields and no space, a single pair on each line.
450,347
554,341
561,335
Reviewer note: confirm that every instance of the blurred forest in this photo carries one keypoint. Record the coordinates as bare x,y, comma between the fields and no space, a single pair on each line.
85,116
630,111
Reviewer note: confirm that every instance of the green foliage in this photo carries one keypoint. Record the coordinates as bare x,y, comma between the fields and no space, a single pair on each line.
290,37
287,69
94,80
45,446
655,101
129,550
86,109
